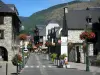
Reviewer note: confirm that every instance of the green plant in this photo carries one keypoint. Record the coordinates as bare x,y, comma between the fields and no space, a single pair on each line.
53,56
87,35
17,59
98,63
25,54
62,56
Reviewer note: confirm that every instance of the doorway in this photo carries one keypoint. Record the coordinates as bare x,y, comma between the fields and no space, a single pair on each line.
4,53
78,54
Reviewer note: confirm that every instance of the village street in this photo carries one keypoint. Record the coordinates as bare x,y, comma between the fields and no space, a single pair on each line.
38,65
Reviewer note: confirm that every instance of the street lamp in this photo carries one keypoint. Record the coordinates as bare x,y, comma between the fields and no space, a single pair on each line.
88,26
49,40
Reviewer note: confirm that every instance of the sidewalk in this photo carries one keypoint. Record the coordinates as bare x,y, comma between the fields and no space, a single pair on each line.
11,68
81,66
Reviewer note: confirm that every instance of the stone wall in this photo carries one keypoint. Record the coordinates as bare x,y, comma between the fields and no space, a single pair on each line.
7,41
73,36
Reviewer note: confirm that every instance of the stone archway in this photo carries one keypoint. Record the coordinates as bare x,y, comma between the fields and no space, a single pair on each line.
4,53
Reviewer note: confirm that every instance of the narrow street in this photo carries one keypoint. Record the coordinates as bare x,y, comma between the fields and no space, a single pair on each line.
38,65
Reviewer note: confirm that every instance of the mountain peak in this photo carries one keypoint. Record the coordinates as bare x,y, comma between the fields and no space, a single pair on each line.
56,13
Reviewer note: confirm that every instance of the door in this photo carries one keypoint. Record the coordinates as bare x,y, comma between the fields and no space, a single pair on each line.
78,54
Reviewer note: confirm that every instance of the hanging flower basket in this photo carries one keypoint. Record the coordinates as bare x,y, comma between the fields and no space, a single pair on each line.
87,35
22,36
48,43
17,59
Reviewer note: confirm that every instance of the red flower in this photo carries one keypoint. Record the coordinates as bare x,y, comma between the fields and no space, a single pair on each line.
48,43
19,57
22,36
87,35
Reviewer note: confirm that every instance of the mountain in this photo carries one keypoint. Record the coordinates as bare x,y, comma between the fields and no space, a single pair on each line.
23,18
55,13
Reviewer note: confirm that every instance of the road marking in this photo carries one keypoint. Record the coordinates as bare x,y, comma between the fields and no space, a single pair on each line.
37,66
32,66
49,66
44,66
42,70
26,66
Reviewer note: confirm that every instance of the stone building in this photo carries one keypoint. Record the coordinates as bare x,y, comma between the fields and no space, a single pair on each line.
76,22
9,29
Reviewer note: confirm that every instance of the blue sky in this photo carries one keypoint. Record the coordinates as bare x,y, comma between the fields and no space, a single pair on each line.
28,7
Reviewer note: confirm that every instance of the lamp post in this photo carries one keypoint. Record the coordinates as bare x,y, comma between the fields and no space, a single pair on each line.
64,36
21,43
89,23
22,57
48,46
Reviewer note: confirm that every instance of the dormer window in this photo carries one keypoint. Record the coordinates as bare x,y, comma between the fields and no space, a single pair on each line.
1,20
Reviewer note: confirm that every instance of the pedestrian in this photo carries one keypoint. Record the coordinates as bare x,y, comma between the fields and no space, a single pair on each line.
61,63
66,61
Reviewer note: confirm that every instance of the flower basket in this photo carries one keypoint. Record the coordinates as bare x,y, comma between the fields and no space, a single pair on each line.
17,59
48,44
22,36
87,35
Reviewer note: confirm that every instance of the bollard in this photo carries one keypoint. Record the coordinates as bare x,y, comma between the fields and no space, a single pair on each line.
56,62
17,69
6,68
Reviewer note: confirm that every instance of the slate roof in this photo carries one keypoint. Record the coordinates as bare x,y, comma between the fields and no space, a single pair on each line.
76,19
15,9
40,27
42,32
5,8
52,21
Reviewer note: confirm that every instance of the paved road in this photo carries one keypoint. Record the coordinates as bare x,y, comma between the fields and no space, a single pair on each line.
38,65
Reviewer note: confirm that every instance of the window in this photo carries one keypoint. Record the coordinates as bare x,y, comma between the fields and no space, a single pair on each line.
1,34
1,19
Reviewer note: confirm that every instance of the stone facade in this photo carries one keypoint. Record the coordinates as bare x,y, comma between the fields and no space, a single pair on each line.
73,36
7,41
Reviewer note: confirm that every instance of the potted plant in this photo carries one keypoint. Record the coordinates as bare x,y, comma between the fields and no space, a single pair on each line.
62,56
62,61
53,56
17,59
